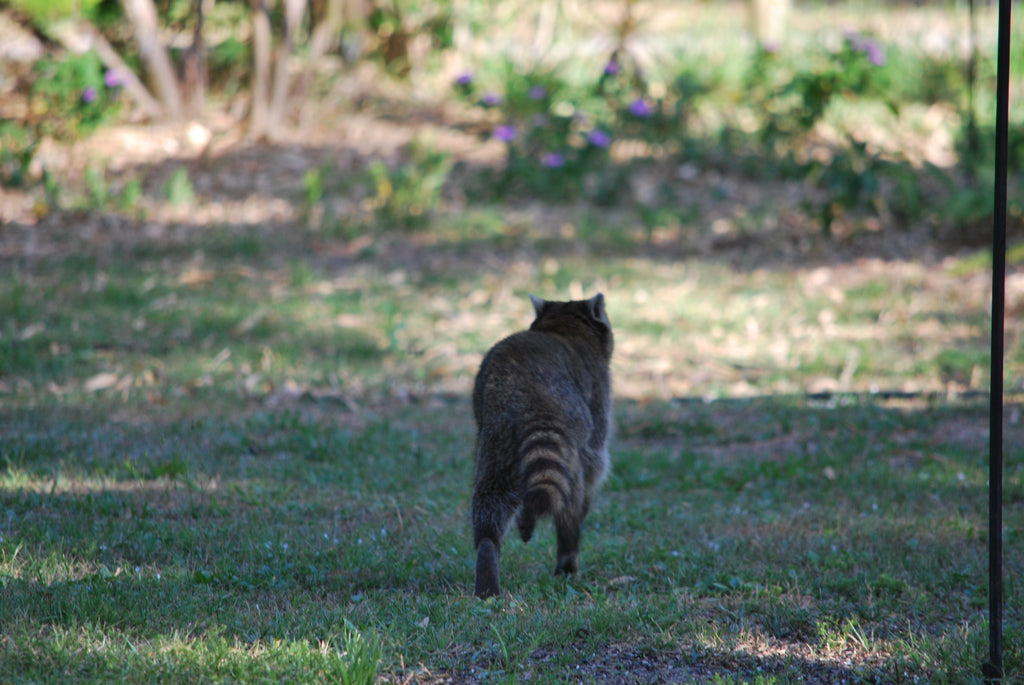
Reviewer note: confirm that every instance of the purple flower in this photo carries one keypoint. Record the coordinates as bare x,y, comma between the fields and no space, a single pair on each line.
538,92
599,138
539,120
464,80
875,53
612,68
505,133
640,108
112,79
854,39
491,99
89,95
553,160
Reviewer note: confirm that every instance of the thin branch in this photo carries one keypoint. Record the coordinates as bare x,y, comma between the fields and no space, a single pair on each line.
142,15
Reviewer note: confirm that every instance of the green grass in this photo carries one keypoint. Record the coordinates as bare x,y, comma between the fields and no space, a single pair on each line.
249,464
236,456
243,547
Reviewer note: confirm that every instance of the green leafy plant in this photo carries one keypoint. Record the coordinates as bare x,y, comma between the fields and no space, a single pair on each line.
69,96
313,187
179,190
74,95
17,145
99,193
42,12
131,193
313,195
558,138
793,97
228,60
361,656
406,196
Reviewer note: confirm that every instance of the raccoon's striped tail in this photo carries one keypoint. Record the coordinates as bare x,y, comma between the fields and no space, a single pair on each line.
547,479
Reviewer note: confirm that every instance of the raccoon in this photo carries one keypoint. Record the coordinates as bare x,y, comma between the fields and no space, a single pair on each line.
542,404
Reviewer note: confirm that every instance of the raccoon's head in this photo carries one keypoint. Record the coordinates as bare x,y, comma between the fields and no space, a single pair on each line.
565,317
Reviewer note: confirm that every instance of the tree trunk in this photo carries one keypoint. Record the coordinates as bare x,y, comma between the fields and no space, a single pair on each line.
195,63
324,37
293,11
142,15
547,19
325,34
768,19
261,39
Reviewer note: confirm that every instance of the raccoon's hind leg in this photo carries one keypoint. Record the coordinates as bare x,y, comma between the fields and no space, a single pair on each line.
567,530
491,514
487,584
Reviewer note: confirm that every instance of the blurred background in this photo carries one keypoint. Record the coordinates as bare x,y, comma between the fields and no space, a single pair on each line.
352,198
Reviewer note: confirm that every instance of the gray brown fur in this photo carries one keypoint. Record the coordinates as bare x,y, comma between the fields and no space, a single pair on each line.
542,404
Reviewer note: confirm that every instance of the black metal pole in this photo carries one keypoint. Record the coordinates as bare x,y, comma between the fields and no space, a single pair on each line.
993,670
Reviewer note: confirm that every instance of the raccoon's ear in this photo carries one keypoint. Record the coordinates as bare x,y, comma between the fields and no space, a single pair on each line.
597,312
538,304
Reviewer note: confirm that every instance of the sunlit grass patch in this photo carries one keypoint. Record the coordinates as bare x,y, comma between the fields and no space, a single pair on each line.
94,652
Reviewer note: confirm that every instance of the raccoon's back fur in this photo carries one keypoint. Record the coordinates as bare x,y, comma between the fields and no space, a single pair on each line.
542,404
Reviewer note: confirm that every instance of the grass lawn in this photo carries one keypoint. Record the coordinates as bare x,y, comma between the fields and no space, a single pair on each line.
241,454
